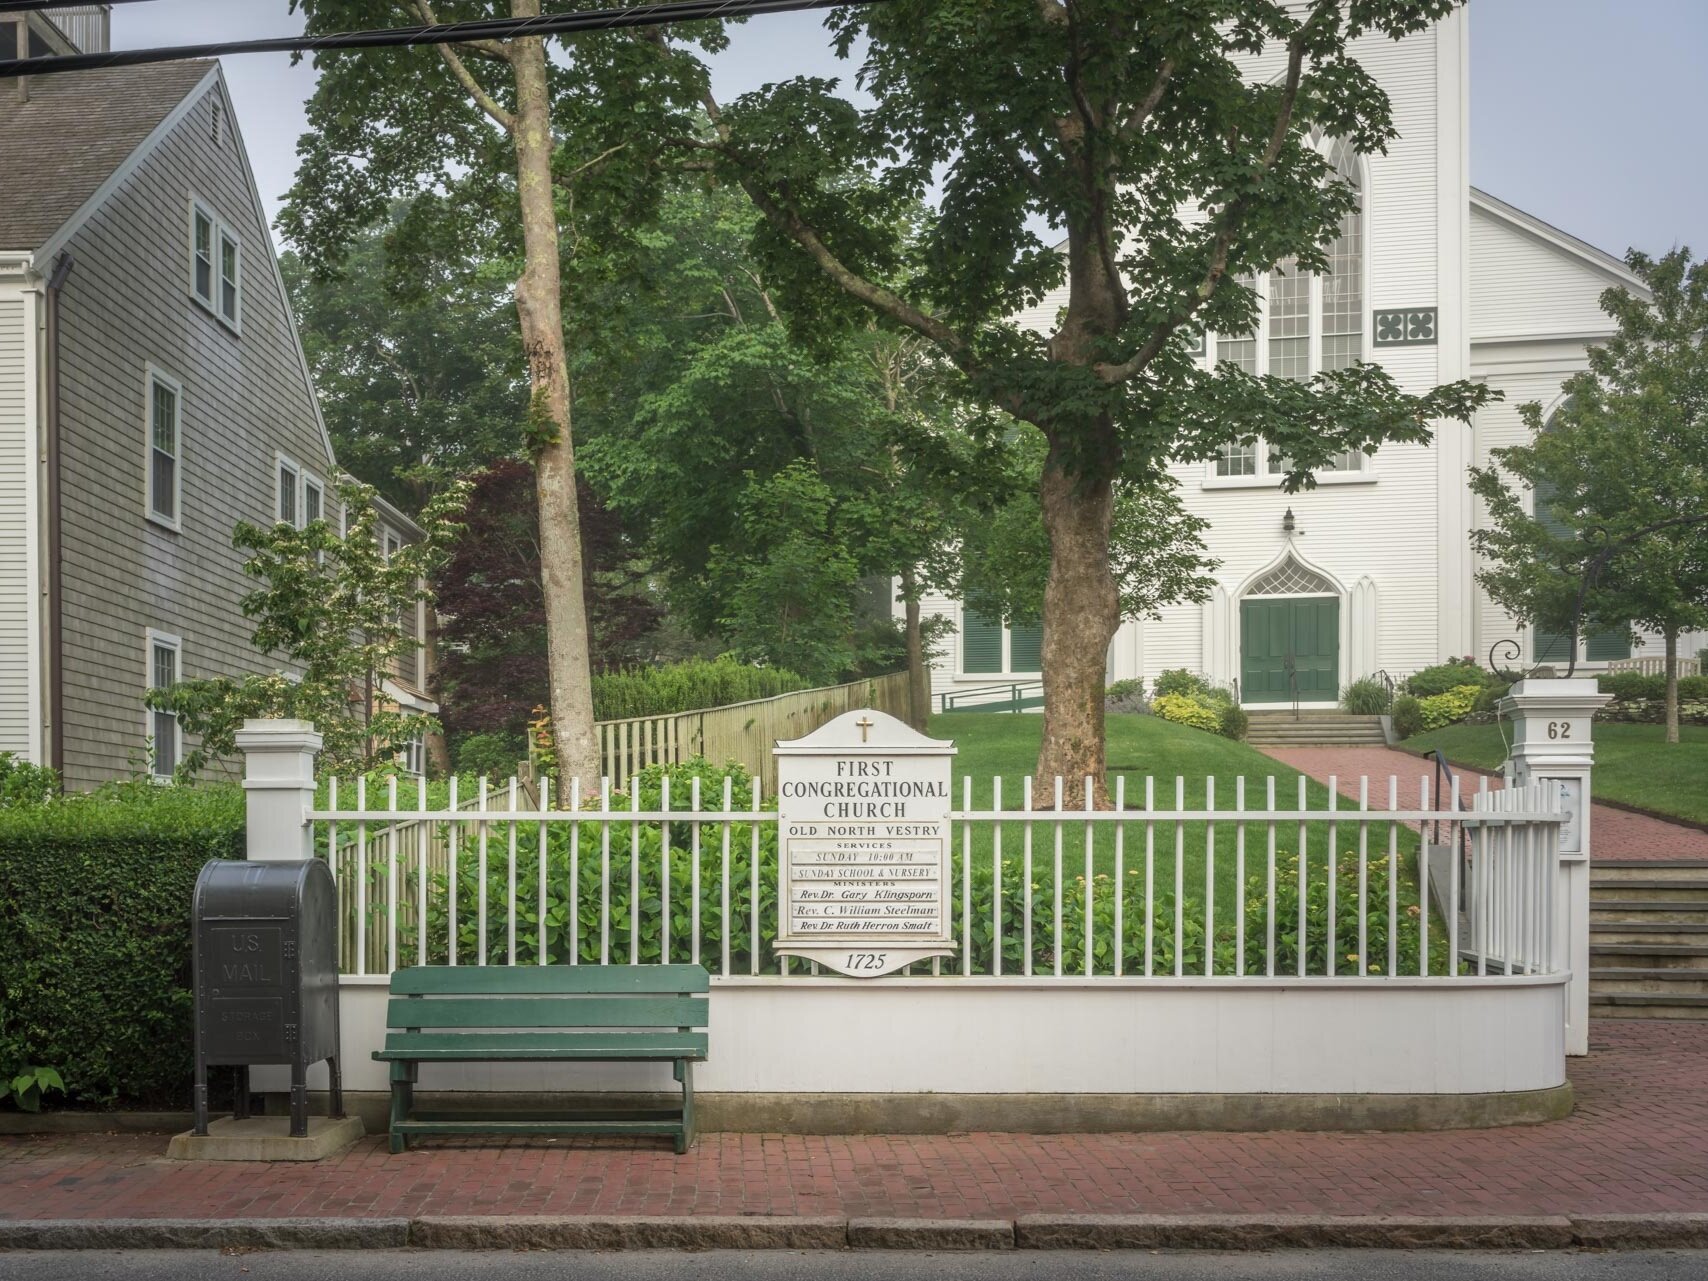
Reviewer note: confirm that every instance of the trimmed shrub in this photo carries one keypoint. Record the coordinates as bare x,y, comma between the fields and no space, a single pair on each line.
1366,696
1444,709
1235,722
1635,685
1185,710
1489,696
1126,696
687,687
1453,674
1408,716
1179,681
95,934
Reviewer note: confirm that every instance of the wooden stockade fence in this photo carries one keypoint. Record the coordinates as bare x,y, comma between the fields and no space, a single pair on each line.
743,732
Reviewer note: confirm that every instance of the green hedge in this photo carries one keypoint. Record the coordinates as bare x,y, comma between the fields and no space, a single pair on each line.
95,934
686,687
1635,685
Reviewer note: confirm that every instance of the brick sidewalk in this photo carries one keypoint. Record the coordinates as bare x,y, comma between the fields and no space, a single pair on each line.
1638,1143
1618,834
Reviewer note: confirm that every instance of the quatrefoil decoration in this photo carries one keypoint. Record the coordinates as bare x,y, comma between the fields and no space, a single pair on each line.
1405,327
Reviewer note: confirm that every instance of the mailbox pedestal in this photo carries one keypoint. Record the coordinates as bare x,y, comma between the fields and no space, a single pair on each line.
266,977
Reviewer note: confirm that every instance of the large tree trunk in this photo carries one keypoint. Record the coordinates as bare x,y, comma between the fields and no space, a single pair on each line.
1082,610
1672,684
539,306
918,674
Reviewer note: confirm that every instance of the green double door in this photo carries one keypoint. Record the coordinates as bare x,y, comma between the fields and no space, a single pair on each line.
1287,637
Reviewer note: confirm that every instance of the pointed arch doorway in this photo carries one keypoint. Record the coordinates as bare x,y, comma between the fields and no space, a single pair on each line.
1290,636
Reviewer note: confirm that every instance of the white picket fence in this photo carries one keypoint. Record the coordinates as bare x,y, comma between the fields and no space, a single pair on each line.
1334,889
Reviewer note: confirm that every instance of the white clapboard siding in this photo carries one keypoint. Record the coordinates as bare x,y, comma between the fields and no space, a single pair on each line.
1522,285
16,474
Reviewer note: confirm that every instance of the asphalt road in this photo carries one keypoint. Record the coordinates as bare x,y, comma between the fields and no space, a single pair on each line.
777,1265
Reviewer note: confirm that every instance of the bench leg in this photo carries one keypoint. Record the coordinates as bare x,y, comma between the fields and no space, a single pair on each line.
685,1074
402,1100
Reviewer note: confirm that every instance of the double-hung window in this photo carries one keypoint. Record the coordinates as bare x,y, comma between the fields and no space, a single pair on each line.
165,737
313,500
216,265
290,481
164,424
1307,324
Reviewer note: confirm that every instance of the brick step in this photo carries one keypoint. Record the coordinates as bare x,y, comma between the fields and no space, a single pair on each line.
1692,870
1650,955
1652,891
1647,1006
1644,911
1312,735
1624,982
1647,932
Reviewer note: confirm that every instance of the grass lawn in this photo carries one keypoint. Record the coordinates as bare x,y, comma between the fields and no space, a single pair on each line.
1633,763
1186,854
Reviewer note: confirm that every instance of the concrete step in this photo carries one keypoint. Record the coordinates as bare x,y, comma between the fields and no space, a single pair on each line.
1693,871
1634,891
1642,911
1623,982
1650,956
1647,932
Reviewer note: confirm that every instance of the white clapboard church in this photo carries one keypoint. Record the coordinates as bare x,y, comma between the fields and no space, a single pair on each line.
1372,571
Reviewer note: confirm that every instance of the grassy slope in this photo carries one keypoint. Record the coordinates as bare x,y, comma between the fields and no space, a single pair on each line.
1005,745
1633,765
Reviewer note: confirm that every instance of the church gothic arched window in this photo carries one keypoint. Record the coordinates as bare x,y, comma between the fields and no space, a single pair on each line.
1307,323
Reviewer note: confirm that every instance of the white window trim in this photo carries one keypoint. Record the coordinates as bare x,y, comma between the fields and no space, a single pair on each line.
221,229
200,207
152,640
282,463
233,322
152,374
310,481
1006,674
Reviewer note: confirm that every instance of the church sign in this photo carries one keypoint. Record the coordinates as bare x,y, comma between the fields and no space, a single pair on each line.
864,836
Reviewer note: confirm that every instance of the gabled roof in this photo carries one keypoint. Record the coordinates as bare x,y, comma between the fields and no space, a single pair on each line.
59,147
1562,240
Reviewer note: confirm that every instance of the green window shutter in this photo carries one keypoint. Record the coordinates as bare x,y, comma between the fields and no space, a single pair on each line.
1552,647
1026,648
981,643
1605,646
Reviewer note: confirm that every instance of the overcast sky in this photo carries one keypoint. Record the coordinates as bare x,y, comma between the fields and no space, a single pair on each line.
1586,113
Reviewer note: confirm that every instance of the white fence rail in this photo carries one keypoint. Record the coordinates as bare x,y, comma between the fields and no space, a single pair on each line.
1159,886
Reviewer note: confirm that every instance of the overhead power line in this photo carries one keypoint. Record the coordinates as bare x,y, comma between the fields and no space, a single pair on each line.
551,24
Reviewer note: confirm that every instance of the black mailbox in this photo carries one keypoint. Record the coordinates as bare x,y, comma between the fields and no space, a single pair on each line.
266,962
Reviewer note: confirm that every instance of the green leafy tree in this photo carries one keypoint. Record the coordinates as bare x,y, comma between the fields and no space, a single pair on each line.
1603,516
703,414
494,138
1000,564
331,609
416,361
1137,127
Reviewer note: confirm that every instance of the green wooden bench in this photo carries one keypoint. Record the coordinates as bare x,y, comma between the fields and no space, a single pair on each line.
550,1013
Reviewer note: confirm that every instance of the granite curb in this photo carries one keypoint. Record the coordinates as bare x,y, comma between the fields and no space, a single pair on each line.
1231,1232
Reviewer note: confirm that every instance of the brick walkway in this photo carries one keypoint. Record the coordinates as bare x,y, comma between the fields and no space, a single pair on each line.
1638,1143
1618,834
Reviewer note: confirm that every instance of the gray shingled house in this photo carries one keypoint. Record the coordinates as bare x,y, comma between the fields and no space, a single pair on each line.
153,392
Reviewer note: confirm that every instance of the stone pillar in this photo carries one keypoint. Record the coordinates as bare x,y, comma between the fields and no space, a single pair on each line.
278,781
1552,744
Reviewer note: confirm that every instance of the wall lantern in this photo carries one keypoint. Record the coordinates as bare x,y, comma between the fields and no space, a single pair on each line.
1288,525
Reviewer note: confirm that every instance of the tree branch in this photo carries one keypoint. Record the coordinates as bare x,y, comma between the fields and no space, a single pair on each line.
1142,110
1222,246
459,69
565,179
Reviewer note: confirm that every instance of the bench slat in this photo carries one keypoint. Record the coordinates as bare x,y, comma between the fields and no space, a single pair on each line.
452,1046
504,980
547,1011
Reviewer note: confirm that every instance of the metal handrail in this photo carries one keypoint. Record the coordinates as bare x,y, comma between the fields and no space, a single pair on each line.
1015,690
1443,797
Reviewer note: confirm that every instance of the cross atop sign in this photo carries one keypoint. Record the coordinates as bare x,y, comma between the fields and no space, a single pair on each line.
865,723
